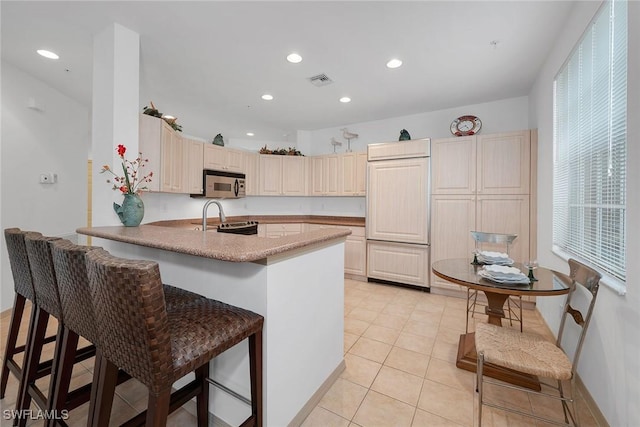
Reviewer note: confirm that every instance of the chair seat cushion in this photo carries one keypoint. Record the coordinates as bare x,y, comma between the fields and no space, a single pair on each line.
177,297
523,351
203,329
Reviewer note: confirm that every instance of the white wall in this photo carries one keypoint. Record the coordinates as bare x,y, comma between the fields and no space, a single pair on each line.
56,140
610,365
498,116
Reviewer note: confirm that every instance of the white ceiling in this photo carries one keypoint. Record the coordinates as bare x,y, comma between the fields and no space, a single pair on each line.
208,62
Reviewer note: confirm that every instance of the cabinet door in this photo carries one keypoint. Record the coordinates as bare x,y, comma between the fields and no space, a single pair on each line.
234,160
294,176
172,179
194,166
355,252
150,145
454,217
398,204
506,214
251,173
317,175
361,174
331,175
453,165
215,157
270,175
504,163
347,171
398,262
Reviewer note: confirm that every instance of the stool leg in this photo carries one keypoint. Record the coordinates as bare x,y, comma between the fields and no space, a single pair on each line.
61,372
33,351
12,339
202,400
255,369
105,378
158,409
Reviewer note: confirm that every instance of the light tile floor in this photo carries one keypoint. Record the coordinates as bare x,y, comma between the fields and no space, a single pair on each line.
400,347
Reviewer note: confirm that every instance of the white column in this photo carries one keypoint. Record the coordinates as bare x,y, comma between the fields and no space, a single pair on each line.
116,105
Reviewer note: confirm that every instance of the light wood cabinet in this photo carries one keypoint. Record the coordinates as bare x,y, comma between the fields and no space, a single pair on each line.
352,173
194,164
399,211
398,262
324,175
282,175
251,173
159,143
355,249
223,159
481,183
486,164
280,230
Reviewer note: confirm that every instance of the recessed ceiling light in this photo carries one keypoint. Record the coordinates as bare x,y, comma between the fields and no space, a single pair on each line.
345,99
267,97
250,133
47,54
294,58
394,63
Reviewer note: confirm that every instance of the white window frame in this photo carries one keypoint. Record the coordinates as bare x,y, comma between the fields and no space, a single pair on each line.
577,205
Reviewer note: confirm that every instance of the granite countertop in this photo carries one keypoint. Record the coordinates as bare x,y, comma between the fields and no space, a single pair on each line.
211,244
349,221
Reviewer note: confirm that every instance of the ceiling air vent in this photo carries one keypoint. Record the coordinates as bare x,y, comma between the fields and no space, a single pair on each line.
320,80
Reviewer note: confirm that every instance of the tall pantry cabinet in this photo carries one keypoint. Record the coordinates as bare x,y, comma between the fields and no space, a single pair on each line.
482,183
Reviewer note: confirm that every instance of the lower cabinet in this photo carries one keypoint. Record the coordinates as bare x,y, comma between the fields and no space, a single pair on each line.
398,262
355,249
280,230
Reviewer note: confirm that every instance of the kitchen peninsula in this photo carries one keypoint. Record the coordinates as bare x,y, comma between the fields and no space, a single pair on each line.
296,282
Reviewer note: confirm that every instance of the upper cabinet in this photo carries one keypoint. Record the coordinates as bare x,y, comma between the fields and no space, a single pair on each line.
324,175
352,174
194,164
282,175
223,159
165,150
483,164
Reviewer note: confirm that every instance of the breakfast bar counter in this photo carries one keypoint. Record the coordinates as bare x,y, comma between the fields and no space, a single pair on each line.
296,282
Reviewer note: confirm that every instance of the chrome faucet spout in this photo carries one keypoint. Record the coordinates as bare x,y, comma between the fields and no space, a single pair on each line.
204,213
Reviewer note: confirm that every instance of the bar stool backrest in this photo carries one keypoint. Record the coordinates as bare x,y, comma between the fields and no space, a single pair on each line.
44,277
22,279
73,284
129,305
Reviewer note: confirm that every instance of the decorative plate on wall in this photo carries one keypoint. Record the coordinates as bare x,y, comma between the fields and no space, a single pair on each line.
466,125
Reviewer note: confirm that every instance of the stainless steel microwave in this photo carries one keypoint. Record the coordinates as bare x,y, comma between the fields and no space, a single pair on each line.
221,184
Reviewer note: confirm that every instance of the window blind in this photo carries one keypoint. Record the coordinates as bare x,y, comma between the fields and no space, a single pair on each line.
590,139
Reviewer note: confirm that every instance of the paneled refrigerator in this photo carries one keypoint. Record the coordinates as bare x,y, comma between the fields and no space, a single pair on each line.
397,217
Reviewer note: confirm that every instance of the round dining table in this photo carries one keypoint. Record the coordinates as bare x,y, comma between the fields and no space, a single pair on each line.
464,272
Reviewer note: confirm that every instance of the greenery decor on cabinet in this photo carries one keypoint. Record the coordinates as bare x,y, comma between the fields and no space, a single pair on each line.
153,111
130,185
281,151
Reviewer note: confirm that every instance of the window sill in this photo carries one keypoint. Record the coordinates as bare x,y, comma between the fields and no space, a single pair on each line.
612,283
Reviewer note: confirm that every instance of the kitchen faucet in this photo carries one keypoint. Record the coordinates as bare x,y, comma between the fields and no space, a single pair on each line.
204,213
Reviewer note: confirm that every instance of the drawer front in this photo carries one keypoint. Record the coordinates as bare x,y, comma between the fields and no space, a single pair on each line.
396,262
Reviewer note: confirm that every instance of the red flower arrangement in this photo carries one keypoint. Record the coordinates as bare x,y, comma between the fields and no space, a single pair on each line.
132,181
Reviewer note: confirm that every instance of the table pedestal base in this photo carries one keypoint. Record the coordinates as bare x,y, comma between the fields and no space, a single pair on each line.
467,358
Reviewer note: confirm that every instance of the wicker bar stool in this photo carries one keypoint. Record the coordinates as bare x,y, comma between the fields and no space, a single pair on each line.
158,346
79,319
23,286
48,304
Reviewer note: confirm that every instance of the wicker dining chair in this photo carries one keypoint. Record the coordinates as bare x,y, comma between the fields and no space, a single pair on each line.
533,354
157,346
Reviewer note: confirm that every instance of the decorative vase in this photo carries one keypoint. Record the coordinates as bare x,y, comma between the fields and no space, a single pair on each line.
131,211
404,135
